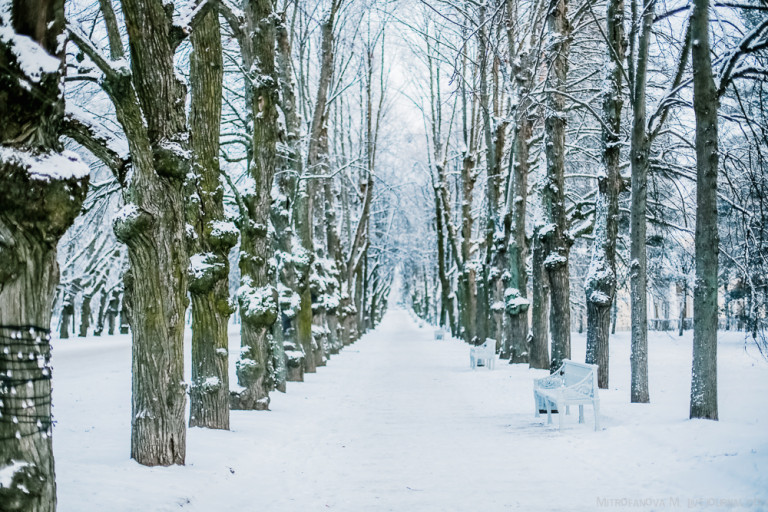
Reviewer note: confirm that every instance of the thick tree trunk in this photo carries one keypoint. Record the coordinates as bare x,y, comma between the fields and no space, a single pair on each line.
257,296
214,237
150,106
515,296
600,286
446,307
42,190
705,311
639,155
291,165
554,235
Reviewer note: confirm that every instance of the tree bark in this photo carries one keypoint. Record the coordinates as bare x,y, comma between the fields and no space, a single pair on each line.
555,238
639,156
257,296
539,339
600,286
705,311
290,159
213,236
42,190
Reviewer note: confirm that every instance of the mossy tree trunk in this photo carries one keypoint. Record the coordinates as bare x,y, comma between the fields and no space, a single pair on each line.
283,209
149,103
41,190
213,236
257,297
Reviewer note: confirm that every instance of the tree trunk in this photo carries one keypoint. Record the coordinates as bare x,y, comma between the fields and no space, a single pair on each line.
257,296
67,316
99,329
214,237
554,236
683,308
705,312
600,286
515,296
42,190
290,159
85,315
639,155
467,279
539,339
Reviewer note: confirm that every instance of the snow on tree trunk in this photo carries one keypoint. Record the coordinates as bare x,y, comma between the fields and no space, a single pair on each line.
600,287
705,310
257,296
282,206
211,236
516,342
42,190
554,235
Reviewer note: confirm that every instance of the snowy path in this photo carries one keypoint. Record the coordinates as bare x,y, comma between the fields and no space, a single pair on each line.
399,422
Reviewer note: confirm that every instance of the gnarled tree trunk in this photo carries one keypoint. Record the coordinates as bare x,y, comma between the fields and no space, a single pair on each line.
214,237
41,190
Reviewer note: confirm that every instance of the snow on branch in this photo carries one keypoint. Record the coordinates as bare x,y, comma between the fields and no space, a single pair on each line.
189,16
754,41
32,59
46,166
80,127
112,70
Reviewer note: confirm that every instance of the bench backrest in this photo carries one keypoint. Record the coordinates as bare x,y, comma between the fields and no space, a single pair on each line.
575,372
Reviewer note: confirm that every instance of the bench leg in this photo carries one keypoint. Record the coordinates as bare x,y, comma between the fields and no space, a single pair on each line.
596,407
536,404
549,411
581,413
560,416
567,409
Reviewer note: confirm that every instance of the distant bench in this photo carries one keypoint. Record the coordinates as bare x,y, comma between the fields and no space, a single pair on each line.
573,384
485,353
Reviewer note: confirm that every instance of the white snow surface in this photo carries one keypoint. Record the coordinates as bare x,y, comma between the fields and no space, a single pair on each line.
398,421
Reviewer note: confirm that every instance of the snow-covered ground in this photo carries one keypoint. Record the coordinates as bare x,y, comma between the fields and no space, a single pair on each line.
399,422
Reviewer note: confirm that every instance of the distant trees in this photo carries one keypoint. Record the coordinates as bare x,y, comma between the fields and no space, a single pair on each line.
570,163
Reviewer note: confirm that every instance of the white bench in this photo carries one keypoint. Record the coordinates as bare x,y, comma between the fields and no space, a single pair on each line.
485,353
573,384
439,334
